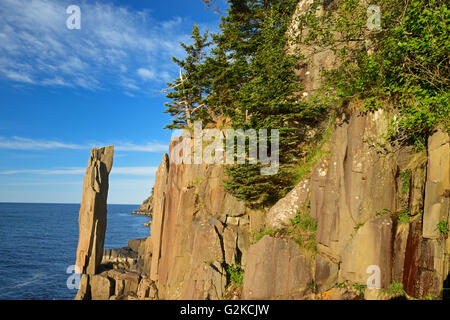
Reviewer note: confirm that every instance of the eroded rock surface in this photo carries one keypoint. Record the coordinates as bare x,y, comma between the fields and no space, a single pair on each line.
276,270
437,192
281,214
197,228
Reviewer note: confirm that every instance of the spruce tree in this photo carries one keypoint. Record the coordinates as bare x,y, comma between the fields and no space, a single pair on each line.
269,100
188,92
248,78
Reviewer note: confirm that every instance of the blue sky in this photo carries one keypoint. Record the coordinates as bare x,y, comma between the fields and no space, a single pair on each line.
64,91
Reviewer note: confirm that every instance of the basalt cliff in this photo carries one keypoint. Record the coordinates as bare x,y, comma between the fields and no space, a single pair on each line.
372,218
365,222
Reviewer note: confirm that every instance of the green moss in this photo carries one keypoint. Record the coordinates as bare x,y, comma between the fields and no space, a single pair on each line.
404,216
195,182
359,287
395,289
313,286
309,244
442,227
236,274
265,232
304,222
313,156
383,212
406,178
303,230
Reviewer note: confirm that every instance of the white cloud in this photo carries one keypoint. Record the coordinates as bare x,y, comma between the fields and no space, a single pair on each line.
20,143
146,74
135,171
15,76
69,171
57,81
129,84
36,48
148,147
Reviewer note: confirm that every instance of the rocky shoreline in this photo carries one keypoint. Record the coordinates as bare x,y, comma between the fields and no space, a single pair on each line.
146,208
142,213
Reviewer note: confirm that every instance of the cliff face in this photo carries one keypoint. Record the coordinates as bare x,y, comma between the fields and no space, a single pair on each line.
377,211
197,228
371,206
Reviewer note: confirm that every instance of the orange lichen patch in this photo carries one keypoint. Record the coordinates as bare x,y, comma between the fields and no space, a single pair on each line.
327,295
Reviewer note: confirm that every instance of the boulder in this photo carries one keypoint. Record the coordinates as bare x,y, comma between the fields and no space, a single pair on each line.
353,183
123,258
102,287
281,214
159,197
399,252
135,244
147,255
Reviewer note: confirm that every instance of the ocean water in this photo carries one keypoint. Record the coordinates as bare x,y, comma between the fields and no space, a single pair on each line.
38,243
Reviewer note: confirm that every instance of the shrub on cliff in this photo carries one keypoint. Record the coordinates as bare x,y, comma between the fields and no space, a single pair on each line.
405,62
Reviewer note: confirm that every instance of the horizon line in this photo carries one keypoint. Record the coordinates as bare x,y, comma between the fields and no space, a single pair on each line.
78,203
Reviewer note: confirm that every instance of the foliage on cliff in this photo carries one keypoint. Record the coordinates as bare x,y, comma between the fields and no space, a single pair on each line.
248,78
405,62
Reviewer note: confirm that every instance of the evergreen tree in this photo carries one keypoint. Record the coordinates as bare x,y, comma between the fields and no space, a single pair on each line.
188,92
249,79
268,100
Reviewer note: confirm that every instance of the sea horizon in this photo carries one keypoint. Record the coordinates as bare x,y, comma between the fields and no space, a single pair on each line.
118,204
38,244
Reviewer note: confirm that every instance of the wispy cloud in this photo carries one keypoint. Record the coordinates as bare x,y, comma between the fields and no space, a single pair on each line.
146,74
20,143
116,46
136,171
148,147
68,171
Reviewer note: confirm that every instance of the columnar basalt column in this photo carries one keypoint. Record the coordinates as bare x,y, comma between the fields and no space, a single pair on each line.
92,215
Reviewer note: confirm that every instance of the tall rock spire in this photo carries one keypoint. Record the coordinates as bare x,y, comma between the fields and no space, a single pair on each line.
92,216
